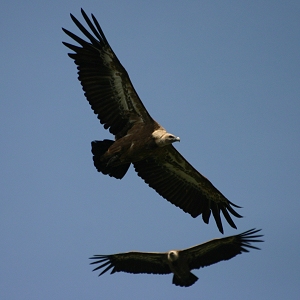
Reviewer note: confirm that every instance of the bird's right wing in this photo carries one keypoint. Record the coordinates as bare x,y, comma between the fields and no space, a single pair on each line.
217,250
175,179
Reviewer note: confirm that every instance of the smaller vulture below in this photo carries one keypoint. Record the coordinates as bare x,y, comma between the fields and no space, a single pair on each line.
138,139
179,262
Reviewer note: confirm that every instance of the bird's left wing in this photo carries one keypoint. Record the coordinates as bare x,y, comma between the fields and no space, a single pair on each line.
133,262
104,80
175,179
217,250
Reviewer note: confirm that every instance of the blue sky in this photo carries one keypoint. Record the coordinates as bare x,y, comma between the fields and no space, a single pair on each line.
222,75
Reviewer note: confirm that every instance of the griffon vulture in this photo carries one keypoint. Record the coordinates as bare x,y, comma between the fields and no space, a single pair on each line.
139,139
179,262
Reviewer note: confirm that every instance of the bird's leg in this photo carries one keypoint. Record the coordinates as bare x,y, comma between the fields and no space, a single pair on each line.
112,160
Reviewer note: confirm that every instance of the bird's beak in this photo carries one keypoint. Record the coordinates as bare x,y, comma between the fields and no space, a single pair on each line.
177,139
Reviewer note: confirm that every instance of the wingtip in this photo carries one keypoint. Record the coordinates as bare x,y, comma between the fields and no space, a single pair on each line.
220,226
251,236
232,211
237,206
83,13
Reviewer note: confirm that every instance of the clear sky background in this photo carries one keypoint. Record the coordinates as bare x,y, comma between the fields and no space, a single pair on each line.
222,75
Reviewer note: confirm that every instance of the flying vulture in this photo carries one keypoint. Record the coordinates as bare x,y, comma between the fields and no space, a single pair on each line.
179,262
139,139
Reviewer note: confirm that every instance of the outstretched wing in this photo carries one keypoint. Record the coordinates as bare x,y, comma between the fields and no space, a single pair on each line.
133,262
104,80
220,249
170,174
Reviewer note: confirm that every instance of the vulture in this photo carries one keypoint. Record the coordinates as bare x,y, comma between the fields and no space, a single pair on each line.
179,262
138,139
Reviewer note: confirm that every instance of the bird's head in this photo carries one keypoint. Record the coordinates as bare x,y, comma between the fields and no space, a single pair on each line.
163,138
169,138
173,255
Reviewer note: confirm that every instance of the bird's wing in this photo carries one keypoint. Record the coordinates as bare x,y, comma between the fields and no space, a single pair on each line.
104,80
217,250
175,179
133,262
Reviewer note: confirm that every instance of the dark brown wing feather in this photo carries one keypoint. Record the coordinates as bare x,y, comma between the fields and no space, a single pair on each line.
133,262
176,180
104,80
220,249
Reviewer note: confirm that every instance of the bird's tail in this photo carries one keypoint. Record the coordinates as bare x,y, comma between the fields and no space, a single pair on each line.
187,281
98,149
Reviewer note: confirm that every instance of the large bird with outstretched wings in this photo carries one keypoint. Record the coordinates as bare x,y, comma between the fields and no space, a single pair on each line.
139,139
179,262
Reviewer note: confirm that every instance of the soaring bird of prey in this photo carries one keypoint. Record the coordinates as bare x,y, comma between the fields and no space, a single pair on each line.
179,262
139,139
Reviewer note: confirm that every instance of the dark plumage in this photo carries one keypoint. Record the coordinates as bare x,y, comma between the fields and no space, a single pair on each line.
179,262
139,140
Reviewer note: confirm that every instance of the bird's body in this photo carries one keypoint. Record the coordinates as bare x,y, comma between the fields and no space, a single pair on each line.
140,142
179,266
139,139
179,262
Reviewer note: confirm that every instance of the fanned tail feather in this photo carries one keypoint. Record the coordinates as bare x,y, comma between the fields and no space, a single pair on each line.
190,280
98,149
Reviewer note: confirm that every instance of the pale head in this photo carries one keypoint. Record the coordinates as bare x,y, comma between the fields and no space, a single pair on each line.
163,138
173,255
